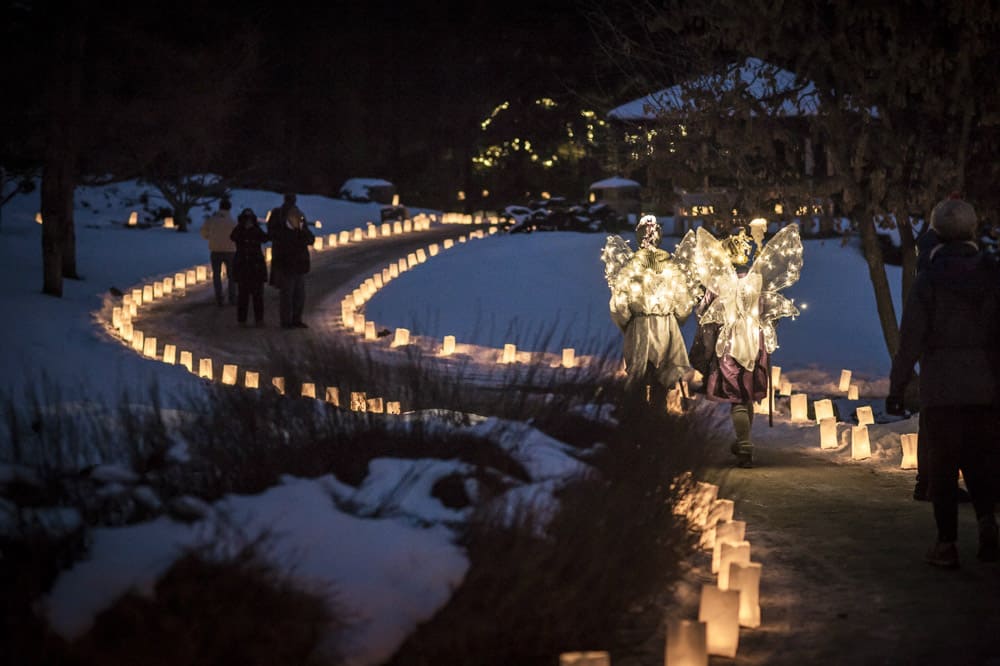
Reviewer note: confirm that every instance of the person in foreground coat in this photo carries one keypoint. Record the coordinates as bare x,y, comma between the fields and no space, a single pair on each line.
249,267
951,323
926,244
291,240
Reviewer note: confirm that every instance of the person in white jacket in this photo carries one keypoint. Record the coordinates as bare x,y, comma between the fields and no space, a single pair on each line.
216,230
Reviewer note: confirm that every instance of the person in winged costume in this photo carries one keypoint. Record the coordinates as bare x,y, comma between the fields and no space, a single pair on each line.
736,318
650,291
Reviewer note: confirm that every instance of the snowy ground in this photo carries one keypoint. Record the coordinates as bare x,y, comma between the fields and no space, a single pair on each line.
512,288
364,564
524,289
56,337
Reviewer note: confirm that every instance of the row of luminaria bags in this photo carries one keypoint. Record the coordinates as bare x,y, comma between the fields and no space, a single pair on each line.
823,416
124,316
353,319
733,601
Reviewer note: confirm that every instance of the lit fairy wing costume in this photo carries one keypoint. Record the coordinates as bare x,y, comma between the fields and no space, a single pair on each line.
779,266
616,255
745,307
735,337
650,290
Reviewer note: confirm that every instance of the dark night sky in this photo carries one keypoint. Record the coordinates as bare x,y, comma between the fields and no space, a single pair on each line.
398,85
382,88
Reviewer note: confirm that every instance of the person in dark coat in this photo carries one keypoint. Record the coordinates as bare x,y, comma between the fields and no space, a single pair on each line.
290,264
926,242
276,214
249,267
951,324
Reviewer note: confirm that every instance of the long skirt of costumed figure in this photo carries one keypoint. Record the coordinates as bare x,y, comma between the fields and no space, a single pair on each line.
650,290
736,317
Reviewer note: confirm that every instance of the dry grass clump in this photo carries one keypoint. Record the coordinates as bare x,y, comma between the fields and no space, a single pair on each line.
215,605
581,579
243,442
238,609
421,381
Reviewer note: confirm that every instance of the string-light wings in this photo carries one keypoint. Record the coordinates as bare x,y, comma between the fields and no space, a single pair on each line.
779,266
615,255
686,255
748,306
649,281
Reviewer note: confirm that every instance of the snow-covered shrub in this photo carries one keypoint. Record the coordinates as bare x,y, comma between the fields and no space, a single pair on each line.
223,603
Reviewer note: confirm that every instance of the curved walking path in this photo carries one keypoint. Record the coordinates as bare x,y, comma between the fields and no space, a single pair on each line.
191,321
842,545
844,581
195,322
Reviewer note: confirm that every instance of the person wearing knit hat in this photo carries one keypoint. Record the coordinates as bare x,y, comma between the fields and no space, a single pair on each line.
954,220
249,267
280,213
952,214
950,324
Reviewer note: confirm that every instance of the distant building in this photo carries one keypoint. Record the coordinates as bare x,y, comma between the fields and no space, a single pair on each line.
641,122
621,194
364,190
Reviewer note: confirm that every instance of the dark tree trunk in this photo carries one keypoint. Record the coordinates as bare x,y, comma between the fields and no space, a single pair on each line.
60,162
908,247
76,46
179,205
69,242
880,283
847,159
182,218
53,219
58,184
3,179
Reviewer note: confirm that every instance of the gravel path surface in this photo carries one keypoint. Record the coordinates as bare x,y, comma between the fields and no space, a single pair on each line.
195,322
844,581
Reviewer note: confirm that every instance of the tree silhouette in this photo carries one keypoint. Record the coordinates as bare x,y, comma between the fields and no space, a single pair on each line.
126,91
906,105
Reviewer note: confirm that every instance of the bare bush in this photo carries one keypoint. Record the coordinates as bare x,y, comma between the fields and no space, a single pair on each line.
542,584
225,604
